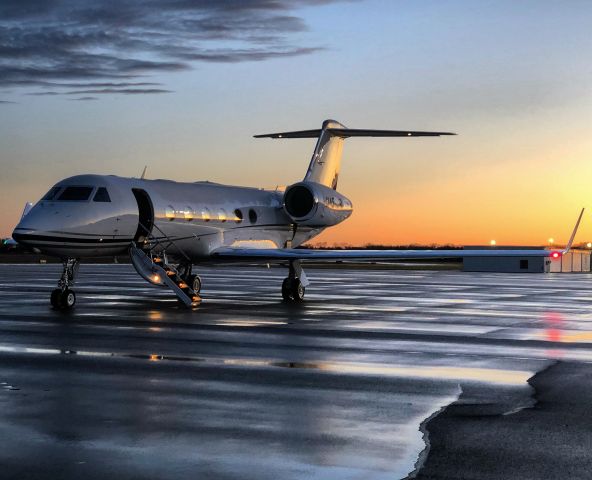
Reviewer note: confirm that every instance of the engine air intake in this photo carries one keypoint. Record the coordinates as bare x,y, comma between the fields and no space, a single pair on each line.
299,201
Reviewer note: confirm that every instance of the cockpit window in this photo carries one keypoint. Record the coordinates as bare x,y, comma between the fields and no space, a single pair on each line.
76,193
102,195
52,193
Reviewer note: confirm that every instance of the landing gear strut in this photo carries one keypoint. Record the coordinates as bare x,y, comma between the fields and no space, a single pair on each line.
194,281
294,285
63,298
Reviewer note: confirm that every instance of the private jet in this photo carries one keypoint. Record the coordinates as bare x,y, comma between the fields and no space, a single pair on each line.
167,227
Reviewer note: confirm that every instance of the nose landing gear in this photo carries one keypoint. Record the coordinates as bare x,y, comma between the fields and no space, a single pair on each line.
63,298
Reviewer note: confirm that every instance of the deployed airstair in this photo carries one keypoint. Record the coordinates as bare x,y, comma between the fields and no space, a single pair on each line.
156,269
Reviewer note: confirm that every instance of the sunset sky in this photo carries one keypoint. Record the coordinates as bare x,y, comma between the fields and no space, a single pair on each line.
91,86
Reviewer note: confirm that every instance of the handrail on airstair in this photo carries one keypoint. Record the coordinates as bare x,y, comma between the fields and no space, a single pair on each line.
151,236
165,272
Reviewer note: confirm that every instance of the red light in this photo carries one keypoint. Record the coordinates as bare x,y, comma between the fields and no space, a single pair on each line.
555,255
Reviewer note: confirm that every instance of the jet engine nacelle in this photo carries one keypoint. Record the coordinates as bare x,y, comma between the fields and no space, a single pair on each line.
313,204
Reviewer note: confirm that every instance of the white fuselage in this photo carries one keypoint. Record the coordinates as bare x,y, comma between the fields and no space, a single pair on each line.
198,217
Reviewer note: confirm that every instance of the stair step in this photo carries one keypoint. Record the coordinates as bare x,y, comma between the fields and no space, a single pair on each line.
152,267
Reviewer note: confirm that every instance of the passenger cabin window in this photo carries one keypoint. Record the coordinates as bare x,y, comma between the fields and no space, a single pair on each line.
169,212
205,214
76,194
222,215
238,216
189,214
252,216
102,195
52,193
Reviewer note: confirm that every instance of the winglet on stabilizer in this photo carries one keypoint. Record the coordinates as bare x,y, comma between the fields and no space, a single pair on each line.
573,234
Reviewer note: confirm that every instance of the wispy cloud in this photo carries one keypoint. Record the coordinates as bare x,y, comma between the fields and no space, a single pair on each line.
108,45
101,91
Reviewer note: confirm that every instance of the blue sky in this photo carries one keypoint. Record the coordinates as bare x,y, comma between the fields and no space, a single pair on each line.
512,78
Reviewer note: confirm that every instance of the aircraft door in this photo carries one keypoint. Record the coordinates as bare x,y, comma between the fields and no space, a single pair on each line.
145,214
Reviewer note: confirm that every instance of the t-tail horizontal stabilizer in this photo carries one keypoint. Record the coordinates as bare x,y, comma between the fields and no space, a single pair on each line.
326,158
353,132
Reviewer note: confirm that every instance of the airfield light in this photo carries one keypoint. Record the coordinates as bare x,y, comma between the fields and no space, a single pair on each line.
555,255
156,278
493,243
551,241
589,245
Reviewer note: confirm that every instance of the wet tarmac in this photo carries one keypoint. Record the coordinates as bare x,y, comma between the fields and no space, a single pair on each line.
131,385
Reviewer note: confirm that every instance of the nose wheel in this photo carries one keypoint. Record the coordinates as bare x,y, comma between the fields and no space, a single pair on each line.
63,297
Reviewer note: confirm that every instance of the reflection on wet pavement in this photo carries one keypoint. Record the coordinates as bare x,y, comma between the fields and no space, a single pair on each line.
249,386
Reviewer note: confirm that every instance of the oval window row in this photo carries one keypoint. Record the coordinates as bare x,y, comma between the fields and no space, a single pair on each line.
204,214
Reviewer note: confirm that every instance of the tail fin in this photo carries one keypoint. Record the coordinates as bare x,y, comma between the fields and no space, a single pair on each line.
326,159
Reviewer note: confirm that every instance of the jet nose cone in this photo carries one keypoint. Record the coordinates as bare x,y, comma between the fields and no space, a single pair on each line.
25,229
21,235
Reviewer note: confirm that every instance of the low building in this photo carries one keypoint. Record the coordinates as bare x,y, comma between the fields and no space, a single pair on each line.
573,261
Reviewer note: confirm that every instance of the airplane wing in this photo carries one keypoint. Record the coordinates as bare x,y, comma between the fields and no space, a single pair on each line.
279,254
271,254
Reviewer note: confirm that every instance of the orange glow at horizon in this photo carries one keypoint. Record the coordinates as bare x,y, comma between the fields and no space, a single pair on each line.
454,190
520,203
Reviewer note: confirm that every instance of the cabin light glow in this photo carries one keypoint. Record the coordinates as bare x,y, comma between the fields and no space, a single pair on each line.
189,214
169,212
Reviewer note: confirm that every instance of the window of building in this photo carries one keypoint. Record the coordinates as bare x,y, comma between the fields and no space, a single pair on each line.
523,264
252,216
78,194
102,195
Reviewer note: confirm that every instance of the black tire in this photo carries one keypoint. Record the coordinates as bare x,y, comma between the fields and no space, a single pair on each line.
195,283
67,299
287,289
55,298
297,291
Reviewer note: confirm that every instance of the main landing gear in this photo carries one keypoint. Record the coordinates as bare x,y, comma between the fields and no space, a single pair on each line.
63,298
194,281
294,285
